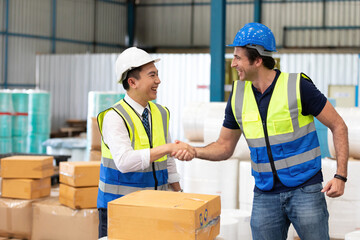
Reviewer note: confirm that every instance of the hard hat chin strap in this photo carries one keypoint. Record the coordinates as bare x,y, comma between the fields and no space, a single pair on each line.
260,50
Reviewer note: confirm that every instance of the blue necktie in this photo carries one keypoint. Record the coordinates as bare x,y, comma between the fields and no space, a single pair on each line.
145,122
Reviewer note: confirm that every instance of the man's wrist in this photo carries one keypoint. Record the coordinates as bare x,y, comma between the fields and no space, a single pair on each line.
338,176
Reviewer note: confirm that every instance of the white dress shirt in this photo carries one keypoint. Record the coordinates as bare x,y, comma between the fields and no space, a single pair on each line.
116,136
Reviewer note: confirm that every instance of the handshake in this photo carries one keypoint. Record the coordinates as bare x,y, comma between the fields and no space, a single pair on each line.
182,151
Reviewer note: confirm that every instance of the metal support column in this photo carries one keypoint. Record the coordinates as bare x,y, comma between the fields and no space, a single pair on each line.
217,50
130,23
53,27
257,11
6,36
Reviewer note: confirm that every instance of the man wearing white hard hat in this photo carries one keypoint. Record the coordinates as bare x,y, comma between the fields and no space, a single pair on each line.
135,136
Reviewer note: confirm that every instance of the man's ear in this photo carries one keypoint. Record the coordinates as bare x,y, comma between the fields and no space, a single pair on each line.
258,61
132,82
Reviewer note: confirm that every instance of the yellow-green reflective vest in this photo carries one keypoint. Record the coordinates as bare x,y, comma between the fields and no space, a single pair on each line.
113,183
286,144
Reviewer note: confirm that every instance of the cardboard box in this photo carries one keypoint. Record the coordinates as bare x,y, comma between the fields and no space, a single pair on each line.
78,197
51,220
26,188
27,167
95,155
80,174
15,218
95,135
151,214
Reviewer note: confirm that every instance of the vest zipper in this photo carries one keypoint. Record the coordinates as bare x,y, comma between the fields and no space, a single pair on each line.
271,159
154,174
153,164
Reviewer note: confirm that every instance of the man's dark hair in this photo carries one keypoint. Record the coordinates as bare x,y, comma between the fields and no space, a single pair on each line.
253,54
134,73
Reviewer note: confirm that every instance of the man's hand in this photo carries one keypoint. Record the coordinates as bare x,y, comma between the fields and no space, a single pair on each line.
334,188
183,151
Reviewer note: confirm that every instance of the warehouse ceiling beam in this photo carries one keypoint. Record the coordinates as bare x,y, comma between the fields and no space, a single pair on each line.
217,50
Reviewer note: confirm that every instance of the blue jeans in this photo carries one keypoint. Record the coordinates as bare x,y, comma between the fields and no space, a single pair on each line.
304,207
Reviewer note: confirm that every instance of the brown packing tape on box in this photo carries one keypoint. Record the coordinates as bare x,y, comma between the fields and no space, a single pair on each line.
15,218
78,197
24,166
80,174
26,188
95,135
51,220
164,215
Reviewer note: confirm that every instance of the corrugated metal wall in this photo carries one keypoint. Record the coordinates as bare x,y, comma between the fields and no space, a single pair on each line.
298,23
55,26
73,26
69,78
162,24
185,79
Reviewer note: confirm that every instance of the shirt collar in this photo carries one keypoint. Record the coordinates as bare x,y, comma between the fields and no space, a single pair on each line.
136,106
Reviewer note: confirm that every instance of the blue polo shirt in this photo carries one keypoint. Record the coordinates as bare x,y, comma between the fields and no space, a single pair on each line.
313,102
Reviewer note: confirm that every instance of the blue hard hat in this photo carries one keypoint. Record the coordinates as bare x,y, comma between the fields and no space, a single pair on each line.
255,34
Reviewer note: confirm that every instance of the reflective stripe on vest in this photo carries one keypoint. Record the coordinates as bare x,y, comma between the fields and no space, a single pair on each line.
292,136
114,184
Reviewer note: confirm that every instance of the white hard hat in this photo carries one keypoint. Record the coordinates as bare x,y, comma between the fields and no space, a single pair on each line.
129,59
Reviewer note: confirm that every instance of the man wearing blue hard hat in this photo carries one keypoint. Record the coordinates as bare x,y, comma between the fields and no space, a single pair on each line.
275,111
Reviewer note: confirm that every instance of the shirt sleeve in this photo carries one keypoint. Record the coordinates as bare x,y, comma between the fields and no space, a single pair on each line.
116,137
230,121
312,100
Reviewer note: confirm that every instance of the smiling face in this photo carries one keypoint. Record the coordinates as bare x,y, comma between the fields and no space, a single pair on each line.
246,70
144,89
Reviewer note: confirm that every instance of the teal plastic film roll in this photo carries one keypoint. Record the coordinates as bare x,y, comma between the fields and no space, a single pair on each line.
5,145
20,101
19,144
35,143
5,125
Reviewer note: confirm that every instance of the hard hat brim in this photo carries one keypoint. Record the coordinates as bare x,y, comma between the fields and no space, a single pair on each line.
142,64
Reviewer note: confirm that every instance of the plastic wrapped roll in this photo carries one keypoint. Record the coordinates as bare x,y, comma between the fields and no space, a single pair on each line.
6,110
352,192
34,143
212,128
39,102
243,218
5,145
229,228
246,186
213,177
344,211
5,125
193,121
20,101
344,216
19,125
353,235
5,101
351,117
98,102
19,144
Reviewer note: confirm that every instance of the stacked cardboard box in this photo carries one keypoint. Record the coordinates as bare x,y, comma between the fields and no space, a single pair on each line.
95,150
15,218
26,177
79,184
51,220
164,215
